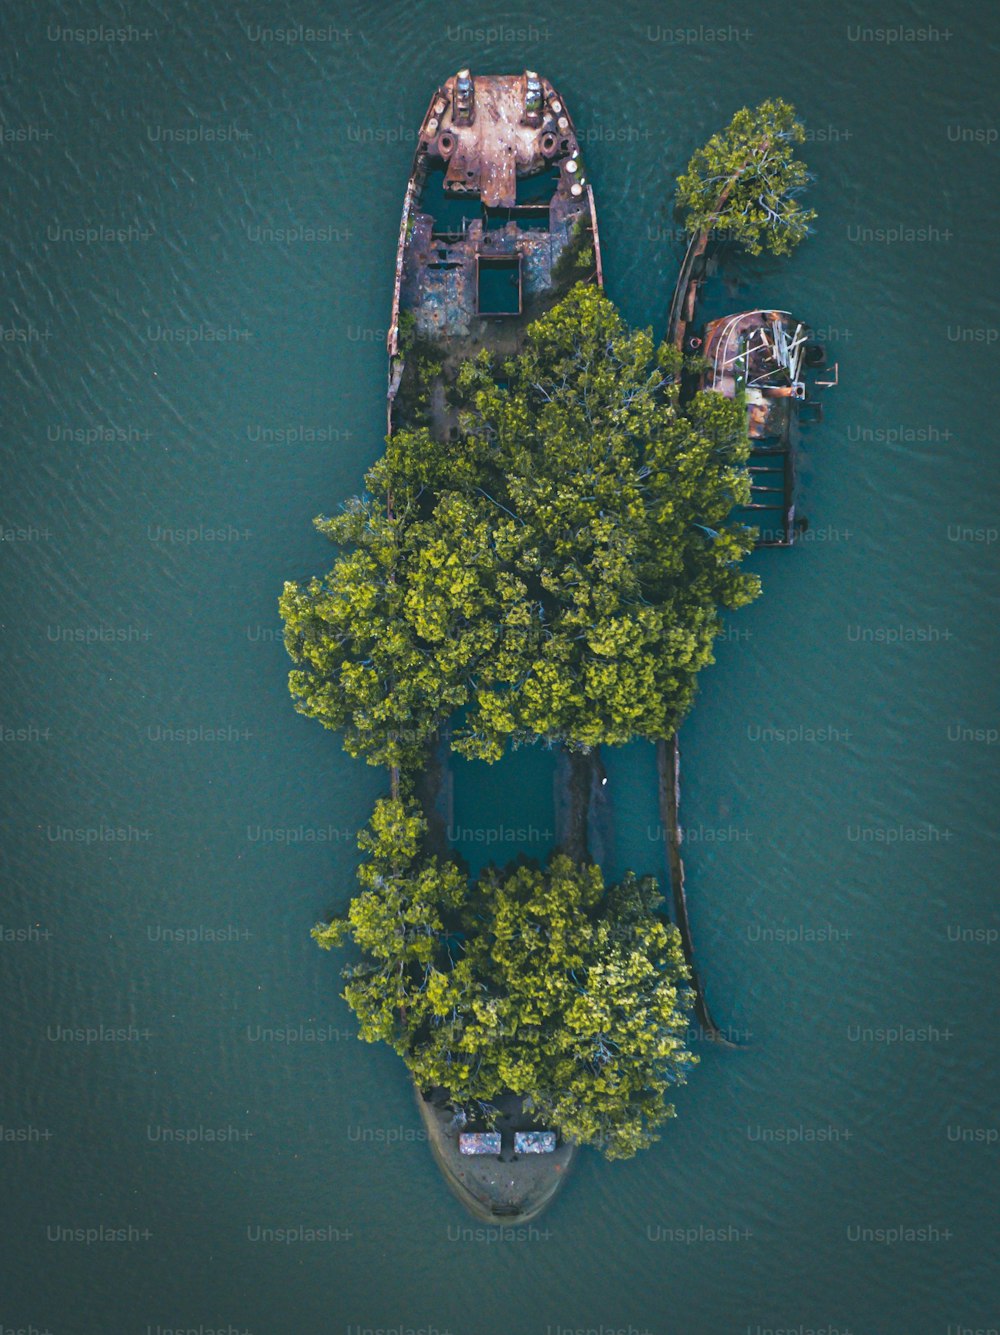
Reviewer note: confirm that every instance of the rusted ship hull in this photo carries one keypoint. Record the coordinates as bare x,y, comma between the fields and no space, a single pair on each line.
498,224
496,203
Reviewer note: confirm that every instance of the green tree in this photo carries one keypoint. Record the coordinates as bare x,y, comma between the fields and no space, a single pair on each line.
544,983
609,503
401,922
387,644
555,572
746,179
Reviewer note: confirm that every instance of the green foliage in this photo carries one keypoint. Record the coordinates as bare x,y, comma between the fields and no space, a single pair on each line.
554,573
400,921
544,983
575,262
388,643
746,178
602,487
407,327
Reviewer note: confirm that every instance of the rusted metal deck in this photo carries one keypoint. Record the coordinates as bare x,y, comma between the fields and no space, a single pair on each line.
496,207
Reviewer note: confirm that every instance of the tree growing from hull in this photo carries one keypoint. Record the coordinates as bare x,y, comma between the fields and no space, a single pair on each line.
388,644
556,572
546,983
610,507
745,181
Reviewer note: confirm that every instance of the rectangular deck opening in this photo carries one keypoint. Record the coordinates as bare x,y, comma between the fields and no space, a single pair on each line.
451,213
498,284
529,217
537,189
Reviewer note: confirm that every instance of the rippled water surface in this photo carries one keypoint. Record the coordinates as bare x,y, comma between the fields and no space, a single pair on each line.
182,392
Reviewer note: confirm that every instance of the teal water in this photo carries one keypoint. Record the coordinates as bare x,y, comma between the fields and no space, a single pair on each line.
180,401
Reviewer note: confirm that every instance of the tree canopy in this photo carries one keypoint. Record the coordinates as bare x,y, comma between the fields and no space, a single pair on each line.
553,572
545,983
746,179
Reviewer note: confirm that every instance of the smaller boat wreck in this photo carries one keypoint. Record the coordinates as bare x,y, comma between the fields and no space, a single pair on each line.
761,357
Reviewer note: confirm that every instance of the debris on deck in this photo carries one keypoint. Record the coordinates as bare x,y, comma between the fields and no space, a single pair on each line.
534,1142
762,355
479,1142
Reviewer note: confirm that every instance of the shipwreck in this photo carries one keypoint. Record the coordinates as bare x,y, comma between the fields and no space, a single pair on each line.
771,361
498,224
